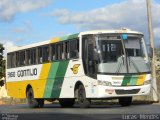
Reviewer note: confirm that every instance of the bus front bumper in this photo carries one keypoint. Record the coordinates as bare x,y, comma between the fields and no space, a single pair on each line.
110,91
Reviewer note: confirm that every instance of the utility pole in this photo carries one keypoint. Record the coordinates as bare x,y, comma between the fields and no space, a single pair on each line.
153,69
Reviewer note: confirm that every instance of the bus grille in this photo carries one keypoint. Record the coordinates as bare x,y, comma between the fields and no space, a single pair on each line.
134,91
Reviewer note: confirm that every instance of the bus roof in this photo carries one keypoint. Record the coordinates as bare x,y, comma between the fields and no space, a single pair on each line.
72,36
124,30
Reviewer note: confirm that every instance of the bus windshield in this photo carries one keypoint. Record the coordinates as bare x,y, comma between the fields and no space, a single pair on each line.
122,56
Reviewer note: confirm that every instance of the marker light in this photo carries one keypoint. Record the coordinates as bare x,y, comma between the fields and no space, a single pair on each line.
124,36
147,82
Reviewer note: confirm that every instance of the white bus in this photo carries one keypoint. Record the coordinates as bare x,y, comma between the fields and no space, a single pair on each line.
100,64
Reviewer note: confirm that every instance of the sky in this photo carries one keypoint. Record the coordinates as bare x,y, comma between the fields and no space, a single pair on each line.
28,21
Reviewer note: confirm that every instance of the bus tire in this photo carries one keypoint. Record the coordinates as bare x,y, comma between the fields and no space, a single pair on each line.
66,102
125,101
40,103
32,102
82,100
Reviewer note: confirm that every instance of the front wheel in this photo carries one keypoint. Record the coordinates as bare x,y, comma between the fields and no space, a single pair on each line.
82,100
33,102
125,101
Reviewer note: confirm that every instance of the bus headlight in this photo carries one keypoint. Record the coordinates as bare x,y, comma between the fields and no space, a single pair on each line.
104,83
147,82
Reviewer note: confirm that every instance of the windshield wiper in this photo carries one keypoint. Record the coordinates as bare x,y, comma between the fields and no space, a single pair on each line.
134,65
120,62
119,66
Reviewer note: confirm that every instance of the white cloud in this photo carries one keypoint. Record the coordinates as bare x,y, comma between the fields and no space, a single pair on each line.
59,12
7,45
9,8
130,14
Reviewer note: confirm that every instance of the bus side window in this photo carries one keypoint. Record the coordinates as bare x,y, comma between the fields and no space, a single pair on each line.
22,58
40,60
17,59
74,48
58,51
33,56
62,52
45,54
11,60
67,49
28,57
53,56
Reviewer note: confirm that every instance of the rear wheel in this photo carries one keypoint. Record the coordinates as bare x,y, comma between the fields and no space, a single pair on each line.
82,100
125,101
33,102
66,102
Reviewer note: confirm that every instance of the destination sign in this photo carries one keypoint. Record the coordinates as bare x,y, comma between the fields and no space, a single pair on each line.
109,38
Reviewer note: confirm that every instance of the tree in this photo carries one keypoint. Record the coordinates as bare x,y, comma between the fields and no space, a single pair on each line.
2,62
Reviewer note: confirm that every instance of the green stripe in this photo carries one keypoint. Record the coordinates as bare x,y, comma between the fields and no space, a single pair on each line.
55,79
51,79
63,38
59,79
133,80
126,80
69,37
73,36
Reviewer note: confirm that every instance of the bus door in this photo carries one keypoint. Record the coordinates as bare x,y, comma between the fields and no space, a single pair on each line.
89,57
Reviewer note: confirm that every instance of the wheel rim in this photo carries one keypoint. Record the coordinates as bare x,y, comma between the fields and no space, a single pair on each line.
81,96
30,98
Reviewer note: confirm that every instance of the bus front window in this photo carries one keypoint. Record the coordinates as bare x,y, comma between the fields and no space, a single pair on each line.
134,47
117,56
136,54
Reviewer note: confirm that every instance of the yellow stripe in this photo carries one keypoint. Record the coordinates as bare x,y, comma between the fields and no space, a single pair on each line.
55,40
43,77
18,89
141,79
